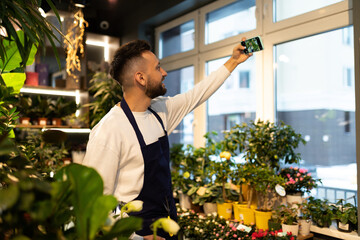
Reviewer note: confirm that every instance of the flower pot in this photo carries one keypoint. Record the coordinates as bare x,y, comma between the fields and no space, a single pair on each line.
42,121
25,120
343,227
243,213
293,229
294,199
262,219
185,201
210,208
224,210
304,227
56,121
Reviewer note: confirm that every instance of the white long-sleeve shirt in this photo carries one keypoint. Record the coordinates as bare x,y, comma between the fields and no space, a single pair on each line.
113,148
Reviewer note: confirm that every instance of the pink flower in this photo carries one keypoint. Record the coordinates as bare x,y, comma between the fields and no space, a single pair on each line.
302,170
298,175
234,235
217,234
231,225
301,178
309,174
234,229
288,175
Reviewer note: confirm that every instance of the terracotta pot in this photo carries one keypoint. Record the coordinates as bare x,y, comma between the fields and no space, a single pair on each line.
56,121
25,120
42,121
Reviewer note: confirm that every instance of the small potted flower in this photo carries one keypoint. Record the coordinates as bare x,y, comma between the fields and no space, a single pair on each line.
298,181
288,216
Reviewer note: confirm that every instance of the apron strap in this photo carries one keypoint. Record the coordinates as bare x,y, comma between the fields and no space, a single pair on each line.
131,118
158,118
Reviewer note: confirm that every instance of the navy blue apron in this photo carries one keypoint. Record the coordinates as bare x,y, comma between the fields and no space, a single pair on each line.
156,194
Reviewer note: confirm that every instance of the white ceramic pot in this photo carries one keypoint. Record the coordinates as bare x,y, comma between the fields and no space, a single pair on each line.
210,208
304,227
294,229
184,201
293,200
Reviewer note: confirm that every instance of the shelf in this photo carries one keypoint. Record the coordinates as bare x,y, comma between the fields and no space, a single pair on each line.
64,128
333,232
46,90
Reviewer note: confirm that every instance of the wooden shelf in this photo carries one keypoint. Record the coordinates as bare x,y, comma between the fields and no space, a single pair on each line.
46,126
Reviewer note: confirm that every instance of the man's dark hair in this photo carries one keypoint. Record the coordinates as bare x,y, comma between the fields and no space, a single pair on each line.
124,55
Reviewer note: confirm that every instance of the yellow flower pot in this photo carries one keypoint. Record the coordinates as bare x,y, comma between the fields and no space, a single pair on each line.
262,218
224,210
244,214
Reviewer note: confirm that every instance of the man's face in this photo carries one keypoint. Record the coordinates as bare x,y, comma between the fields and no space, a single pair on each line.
155,76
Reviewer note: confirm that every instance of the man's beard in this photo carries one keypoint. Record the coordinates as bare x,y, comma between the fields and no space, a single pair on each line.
153,91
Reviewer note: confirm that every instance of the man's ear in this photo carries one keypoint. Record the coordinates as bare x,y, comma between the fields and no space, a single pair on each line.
139,78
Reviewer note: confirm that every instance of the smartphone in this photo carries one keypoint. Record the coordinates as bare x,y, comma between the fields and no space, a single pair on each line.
252,45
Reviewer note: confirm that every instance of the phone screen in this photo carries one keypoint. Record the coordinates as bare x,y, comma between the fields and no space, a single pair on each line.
252,45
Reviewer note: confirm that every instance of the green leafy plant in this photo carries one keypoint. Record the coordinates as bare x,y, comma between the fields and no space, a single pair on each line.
46,151
106,92
17,47
322,212
346,214
265,143
61,108
287,214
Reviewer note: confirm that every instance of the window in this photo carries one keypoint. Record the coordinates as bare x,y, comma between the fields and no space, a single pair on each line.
178,39
309,97
284,9
244,79
230,106
231,20
180,81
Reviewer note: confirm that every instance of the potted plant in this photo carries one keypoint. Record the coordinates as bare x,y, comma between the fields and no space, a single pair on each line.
264,180
304,219
223,168
298,181
346,216
61,109
288,216
322,212
265,143
24,106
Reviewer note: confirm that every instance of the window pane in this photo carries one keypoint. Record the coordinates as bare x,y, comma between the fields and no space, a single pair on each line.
235,101
178,39
230,20
289,8
180,81
316,96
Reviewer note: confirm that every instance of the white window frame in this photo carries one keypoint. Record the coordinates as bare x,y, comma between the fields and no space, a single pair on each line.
271,26
231,40
177,22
